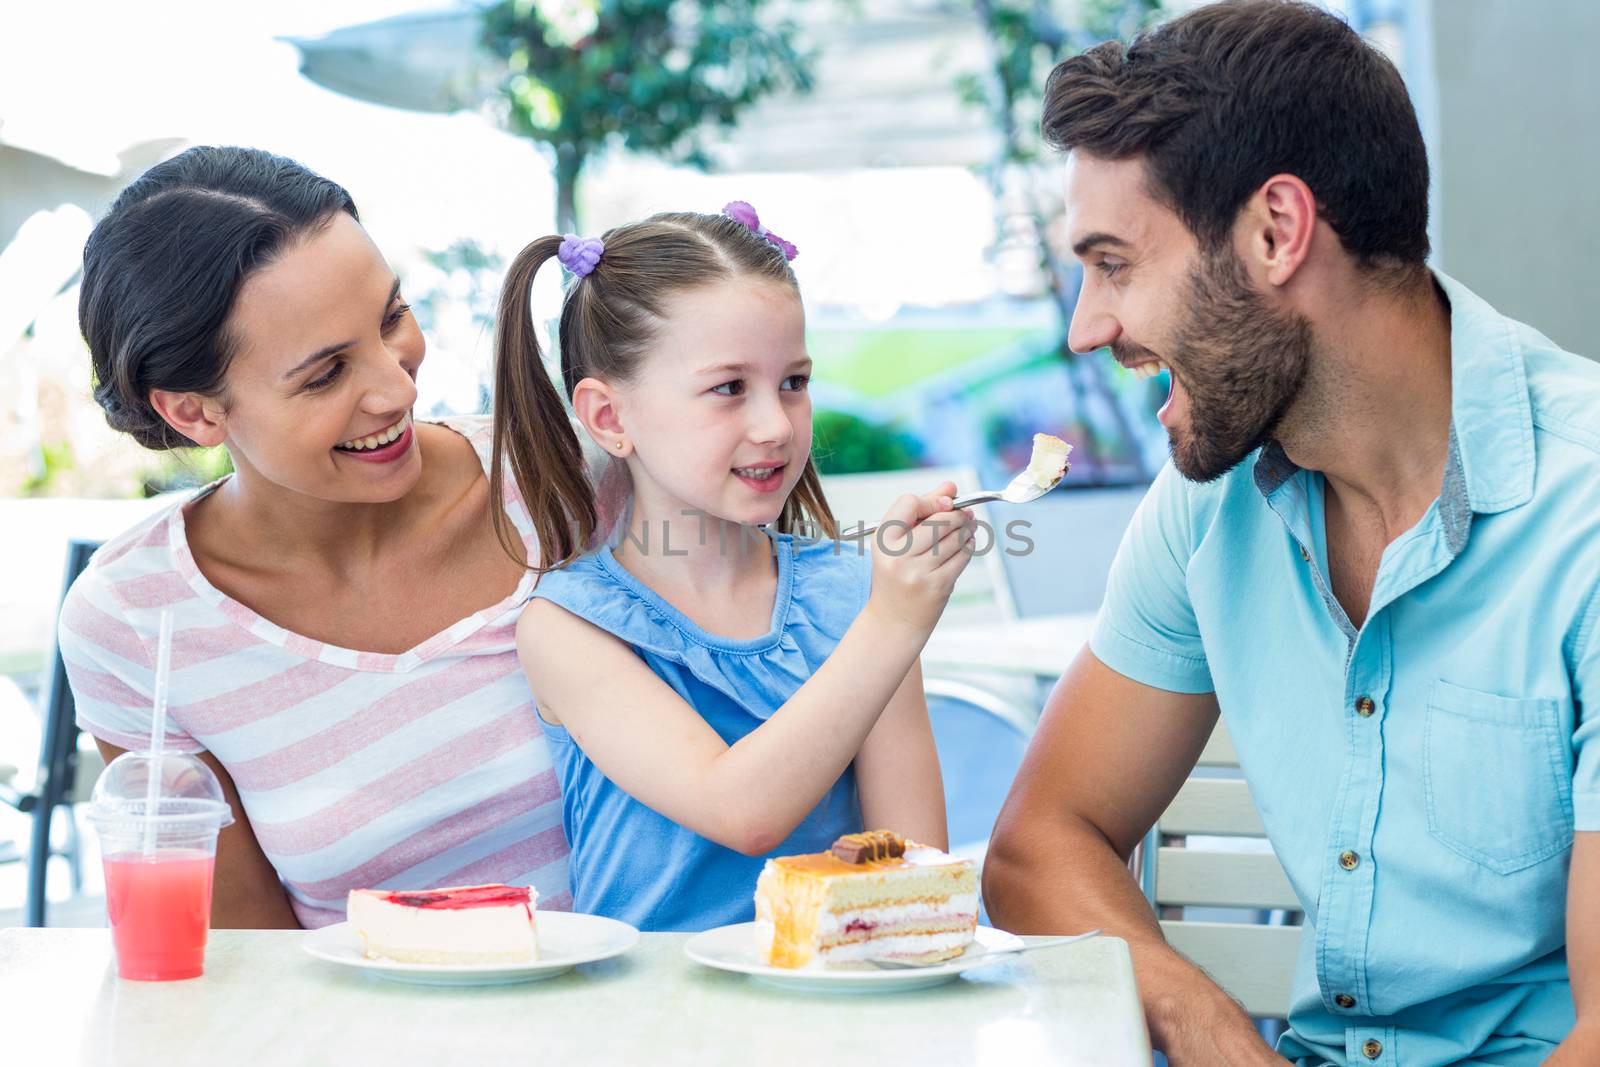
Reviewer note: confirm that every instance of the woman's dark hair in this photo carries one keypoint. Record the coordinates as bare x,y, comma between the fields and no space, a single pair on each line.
1221,99
162,269
609,319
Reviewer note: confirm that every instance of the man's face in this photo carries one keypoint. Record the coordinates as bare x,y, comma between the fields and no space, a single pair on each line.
1150,293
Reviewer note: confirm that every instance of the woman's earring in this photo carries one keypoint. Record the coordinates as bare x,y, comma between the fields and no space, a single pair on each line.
620,445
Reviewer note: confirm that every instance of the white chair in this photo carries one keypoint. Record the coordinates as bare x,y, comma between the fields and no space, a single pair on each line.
9,852
983,592
1254,962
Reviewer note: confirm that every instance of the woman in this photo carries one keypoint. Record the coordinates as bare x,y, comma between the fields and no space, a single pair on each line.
344,618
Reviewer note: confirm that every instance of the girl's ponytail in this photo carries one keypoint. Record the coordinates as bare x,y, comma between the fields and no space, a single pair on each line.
532,428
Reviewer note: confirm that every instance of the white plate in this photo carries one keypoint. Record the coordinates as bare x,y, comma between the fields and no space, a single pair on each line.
565,940
737,948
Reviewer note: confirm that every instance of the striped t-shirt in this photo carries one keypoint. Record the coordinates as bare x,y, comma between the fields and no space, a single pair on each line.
356,769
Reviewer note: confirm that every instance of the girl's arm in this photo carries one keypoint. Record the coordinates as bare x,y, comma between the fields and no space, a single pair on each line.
1582,1045
245,891
751,795
897,771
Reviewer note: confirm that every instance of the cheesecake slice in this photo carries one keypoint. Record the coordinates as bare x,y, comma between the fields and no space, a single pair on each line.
470,924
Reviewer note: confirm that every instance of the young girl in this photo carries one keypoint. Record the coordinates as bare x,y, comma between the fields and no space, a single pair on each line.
714,688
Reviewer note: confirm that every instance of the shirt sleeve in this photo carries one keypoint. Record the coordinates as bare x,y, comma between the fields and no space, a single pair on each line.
1586,735
1146,629
110,666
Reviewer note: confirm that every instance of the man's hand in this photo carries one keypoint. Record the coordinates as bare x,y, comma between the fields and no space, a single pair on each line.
1108,757
1195,1023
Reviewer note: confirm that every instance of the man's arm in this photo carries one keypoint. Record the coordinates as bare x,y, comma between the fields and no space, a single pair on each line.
1109,755
1582,1046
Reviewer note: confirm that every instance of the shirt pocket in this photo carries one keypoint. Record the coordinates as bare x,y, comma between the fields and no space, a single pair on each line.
1495,776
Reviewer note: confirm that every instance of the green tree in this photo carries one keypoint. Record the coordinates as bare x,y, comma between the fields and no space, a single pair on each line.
850,444
654,76
1027,38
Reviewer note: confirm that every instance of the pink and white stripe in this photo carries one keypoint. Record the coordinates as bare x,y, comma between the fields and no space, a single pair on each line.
356,769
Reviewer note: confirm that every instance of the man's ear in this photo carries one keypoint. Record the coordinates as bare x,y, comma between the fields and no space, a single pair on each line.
199,418
1278,223
595,403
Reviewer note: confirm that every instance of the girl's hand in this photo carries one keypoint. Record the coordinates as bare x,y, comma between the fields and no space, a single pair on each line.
921,548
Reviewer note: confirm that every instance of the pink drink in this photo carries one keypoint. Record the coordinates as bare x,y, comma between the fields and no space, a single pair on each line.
160,909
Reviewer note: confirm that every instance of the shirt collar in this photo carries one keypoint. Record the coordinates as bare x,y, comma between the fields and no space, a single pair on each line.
1490,466
1491,413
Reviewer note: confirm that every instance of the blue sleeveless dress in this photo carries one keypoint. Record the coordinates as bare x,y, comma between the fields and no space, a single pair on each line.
630,862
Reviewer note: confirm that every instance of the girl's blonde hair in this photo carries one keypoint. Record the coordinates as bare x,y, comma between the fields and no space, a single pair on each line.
609,319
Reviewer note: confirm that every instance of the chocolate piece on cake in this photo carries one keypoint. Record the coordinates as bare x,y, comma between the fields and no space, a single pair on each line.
869,846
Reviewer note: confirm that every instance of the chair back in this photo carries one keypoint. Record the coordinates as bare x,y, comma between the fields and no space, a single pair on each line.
983,592
63,777
1254,962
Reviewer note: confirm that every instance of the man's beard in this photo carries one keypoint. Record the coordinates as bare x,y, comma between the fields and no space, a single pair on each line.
1242,364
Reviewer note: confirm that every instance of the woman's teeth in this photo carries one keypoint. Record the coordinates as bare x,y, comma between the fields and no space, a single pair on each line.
376,440
760,474
1148,370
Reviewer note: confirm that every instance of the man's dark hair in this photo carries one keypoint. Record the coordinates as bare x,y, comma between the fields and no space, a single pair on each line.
1220,100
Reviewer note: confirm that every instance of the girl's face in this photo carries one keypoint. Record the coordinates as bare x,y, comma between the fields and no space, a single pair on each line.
319,394
718,418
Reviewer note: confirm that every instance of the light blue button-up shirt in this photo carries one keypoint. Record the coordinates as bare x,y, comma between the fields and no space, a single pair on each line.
1460,791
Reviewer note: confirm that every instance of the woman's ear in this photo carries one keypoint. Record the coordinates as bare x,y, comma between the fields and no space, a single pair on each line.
199,418
595,404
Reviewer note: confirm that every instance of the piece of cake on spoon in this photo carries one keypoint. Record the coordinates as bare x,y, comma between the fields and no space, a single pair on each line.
1049,460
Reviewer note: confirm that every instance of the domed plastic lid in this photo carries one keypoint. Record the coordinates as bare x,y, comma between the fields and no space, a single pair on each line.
188,793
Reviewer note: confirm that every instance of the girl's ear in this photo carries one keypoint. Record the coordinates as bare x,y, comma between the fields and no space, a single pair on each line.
595,404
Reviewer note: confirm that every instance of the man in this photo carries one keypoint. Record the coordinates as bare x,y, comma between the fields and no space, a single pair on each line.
1376,550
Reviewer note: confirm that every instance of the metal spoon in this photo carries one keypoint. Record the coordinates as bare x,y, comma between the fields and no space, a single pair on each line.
1022,489
887,964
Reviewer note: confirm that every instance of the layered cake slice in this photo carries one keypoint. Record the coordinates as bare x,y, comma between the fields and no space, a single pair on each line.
460,924
872,895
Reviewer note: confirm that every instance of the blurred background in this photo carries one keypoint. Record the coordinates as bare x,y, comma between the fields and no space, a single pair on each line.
895,141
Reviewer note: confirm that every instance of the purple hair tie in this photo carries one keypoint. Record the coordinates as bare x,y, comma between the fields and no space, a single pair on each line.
580,254
741,212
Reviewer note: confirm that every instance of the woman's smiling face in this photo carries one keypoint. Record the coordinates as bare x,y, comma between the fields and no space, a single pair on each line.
319,392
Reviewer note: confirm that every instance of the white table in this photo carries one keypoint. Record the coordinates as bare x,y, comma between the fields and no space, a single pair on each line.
1042,646
263,1001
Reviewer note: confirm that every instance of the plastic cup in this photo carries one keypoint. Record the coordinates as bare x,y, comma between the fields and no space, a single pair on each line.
158,861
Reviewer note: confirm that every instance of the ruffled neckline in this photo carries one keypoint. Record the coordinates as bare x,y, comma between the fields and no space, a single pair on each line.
659,606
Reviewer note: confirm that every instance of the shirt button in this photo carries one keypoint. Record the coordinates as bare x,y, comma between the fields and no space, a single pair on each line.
1364,706
1349,860
1345,1000
1372,1049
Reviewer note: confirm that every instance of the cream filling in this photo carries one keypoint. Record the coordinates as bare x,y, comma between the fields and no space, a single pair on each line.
379,439
958,905
880,947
